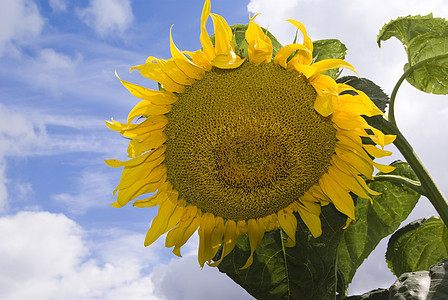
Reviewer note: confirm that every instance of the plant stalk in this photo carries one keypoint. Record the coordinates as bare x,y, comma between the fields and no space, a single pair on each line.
431,190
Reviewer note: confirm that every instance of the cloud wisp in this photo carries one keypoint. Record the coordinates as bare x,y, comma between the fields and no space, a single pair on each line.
108,17
21,23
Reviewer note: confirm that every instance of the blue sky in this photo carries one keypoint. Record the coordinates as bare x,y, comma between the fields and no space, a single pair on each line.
61,239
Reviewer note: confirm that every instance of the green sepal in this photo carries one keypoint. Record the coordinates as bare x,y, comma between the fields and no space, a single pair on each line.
425,40
417,246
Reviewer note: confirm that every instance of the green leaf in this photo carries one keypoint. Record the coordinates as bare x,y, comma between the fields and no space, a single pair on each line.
417,246
438,289
329,49
375,93
430,76
305,271
425,39
376,221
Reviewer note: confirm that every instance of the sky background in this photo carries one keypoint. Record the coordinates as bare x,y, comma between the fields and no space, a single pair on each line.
60,238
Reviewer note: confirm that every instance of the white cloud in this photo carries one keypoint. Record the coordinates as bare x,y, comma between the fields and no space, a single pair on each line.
3,189
21,23
26,133
18,135
52,69
58,5
49,59
47,256
108,17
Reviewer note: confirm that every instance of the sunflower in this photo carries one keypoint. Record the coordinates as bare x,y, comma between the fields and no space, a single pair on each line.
233,145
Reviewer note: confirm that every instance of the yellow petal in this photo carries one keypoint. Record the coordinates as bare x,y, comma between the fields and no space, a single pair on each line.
131,175
147,108
328,64
170,68
156,97
230,237
384,168
205,235
288,222
174,237
140,129
324,105
284,53
183,63
375,152
216,238
365,187
349,121
324,84
306,40
223,35
311,219
161,196
198,57
177,214
227,60
189,227
160,222
255,231
241,227
362,166
348,144
153,71
206,42
114,163
338,195
348,182
154,140
307,71
260,45
140,188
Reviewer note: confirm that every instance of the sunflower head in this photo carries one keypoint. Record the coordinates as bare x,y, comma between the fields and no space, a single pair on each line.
237,144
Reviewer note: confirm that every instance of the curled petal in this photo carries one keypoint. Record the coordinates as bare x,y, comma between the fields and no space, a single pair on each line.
206,42
284,53
306,40
183,63
156,97
328,64
223,35
260,45
227,60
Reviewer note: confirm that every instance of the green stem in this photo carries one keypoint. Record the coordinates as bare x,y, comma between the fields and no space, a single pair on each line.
391,114
431,191
413,184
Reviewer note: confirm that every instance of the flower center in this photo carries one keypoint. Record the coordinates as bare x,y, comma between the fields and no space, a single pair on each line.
244,143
